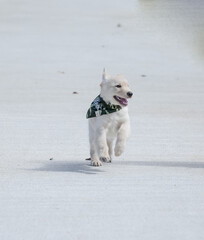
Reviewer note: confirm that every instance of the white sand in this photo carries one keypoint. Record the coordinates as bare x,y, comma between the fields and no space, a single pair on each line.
48,49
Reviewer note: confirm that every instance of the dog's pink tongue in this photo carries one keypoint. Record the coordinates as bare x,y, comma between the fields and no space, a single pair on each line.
124,101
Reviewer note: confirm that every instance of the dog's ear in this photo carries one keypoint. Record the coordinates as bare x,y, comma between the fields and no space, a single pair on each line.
105,76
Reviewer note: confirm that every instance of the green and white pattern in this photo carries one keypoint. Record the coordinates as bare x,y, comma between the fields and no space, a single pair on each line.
100,107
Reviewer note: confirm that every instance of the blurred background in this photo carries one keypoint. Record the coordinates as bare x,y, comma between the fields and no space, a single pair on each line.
52,54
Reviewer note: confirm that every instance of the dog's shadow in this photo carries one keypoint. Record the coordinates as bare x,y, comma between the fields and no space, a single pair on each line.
69,166
86,168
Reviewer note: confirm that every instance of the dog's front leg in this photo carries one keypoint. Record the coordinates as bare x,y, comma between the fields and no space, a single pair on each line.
102,146
122,136
93,151
94,156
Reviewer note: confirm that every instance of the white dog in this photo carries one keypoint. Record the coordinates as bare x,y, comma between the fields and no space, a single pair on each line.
109,119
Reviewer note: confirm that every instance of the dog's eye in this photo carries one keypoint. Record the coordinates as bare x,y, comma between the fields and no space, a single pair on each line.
118,86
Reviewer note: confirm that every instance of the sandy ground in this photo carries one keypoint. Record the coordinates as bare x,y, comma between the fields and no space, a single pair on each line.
48,50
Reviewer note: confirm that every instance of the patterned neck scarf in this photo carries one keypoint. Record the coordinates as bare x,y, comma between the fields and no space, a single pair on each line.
100,107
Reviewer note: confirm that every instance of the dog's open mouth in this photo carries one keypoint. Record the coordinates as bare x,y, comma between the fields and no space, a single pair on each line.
122,101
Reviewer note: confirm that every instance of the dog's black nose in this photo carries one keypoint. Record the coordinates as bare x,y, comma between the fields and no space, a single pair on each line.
129,94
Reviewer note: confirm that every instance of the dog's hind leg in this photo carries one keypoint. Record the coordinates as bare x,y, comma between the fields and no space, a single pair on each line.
110,148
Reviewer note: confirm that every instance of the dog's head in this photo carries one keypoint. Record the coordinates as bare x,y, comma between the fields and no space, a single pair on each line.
115,90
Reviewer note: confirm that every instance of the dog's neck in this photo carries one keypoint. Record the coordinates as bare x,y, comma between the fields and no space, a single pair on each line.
100,107
108,99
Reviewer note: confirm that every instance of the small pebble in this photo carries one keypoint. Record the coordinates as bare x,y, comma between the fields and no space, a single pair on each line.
143,75
75,93
119,25
51,159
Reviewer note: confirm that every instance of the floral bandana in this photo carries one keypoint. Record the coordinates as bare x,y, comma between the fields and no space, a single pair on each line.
100,107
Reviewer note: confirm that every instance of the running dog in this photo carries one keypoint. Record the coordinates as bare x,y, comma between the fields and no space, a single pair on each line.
109,119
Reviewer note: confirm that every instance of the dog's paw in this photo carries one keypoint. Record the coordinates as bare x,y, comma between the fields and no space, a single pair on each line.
119,149
105,159
96,163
